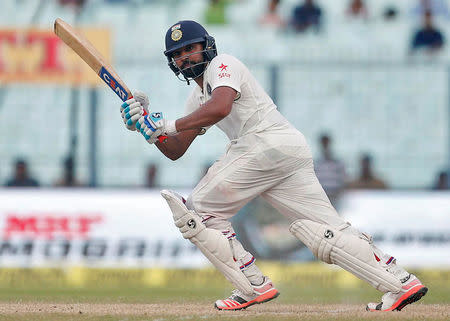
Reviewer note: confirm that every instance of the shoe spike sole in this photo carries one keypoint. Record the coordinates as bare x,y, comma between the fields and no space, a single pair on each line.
243,308
412,298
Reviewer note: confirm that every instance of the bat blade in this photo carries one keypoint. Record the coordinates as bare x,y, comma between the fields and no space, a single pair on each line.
86,50
83,48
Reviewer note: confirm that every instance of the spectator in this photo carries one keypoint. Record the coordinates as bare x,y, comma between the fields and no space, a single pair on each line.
436,7
77,4
442,182
151,176
428,37
390,13
357,9
68,178
216,12
330,171
271,18
21,177
367,179
306,16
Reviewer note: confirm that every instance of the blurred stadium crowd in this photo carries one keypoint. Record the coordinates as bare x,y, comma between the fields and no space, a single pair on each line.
366,81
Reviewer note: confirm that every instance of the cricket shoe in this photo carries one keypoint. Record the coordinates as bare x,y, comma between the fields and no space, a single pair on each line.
411,291
237,300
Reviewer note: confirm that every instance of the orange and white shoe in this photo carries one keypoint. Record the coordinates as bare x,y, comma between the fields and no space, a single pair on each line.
237,300
412,291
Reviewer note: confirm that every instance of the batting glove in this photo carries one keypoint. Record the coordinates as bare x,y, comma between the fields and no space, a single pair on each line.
142,98
131,111
153,125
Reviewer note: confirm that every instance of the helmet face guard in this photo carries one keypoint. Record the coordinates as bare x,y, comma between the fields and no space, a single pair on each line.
191,72
184,33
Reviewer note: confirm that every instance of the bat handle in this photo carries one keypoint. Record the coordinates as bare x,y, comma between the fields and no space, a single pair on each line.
161,138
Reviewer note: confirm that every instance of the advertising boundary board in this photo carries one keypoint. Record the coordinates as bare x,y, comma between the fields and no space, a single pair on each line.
123,229
38,56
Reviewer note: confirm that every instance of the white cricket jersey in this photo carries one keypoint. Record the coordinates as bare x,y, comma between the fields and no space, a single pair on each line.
252,104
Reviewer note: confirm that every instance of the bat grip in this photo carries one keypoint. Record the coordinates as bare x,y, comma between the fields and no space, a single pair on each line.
161,138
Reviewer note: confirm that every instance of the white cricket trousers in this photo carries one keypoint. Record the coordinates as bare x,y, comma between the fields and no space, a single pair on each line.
276,164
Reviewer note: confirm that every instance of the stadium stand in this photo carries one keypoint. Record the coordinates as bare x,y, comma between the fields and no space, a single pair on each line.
353,80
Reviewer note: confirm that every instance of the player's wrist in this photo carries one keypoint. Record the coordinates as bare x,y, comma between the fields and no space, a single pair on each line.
170,128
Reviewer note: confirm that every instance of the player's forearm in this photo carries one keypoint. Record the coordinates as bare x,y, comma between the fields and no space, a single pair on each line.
207,115
175,146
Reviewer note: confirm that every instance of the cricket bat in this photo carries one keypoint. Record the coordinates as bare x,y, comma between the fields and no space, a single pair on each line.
83,48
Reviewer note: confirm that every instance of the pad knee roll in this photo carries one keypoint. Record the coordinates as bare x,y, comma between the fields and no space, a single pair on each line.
209,241
351,252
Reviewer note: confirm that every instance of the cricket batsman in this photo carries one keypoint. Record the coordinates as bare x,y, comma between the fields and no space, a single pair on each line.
266,156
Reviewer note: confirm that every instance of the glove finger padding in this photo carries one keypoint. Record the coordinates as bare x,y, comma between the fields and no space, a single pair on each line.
131,111
127,103
147,123
131,122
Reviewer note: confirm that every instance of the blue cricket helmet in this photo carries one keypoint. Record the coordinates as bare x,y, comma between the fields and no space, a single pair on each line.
184,33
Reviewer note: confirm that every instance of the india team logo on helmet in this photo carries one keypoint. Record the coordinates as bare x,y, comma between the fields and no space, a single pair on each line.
176,33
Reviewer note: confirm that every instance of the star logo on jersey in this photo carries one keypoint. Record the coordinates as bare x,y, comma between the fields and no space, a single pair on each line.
223,71
223,67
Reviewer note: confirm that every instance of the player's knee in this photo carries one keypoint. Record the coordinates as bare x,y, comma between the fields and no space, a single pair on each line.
353,231
314,237
218,223
196,203
190,203
320,238
210,220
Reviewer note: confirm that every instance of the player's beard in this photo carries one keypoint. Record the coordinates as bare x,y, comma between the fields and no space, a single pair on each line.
195,70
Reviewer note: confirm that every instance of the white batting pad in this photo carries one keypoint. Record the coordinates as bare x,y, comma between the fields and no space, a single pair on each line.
352,253
210,242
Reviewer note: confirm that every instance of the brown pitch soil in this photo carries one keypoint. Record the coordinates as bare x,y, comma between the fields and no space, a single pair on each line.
195,311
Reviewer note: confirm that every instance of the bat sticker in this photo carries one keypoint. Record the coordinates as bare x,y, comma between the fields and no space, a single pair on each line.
111,82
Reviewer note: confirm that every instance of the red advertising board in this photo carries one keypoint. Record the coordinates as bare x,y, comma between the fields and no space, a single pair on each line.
39,56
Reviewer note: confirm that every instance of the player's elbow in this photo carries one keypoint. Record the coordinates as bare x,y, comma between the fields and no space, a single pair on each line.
223,110
222,101
174,156
170,154
226,110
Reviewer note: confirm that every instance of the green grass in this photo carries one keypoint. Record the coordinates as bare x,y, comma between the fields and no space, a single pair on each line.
290,294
